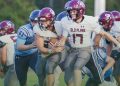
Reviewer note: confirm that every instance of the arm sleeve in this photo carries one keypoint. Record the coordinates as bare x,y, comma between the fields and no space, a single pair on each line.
22,35
20,41
97,29
95,25
65,32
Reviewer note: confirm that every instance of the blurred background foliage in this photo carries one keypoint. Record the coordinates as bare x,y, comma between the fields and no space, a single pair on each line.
18,10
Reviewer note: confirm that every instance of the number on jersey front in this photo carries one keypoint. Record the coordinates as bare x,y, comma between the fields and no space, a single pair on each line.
77,38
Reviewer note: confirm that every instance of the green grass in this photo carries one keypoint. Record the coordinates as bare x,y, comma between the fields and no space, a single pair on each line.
32,79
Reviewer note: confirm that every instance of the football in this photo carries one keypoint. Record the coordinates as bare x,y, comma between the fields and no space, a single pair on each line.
53,41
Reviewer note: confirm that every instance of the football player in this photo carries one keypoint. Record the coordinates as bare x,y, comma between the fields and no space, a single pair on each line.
102,51
115,52
8,39
47,30
78,27
26,52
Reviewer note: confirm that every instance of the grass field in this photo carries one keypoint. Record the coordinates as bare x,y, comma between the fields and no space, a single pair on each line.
32,80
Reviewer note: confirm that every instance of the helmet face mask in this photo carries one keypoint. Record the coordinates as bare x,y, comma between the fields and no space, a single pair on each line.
106,20
45,23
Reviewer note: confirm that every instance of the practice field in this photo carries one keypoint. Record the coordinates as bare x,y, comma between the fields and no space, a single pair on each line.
32,80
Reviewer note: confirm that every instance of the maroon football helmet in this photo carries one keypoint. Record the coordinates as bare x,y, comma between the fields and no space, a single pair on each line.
46,14
7,27
116,15
106,19
76,5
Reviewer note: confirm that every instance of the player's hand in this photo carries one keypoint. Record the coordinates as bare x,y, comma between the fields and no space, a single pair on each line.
58,49
33,45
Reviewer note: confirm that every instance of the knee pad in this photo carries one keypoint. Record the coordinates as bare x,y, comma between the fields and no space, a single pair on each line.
50,67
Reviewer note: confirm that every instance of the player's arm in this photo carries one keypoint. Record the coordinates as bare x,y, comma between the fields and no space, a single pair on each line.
2,44
110,62
21,39
97,40
118,38
64,35
21,45
3,52
109,48
109,37
4,55
62,41
3,59
40,44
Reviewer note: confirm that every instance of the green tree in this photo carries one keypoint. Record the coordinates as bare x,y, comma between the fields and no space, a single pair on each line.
16,10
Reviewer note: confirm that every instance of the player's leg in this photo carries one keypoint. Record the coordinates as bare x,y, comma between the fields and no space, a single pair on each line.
40,70
116,71
51,65
10,78
91,82
37,64
82,59
33,61
60,68
21,68
95,69
97,63
69,62
57,74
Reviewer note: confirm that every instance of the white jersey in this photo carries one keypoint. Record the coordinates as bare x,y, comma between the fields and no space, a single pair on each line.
115,31
46,33
79,34
10,40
